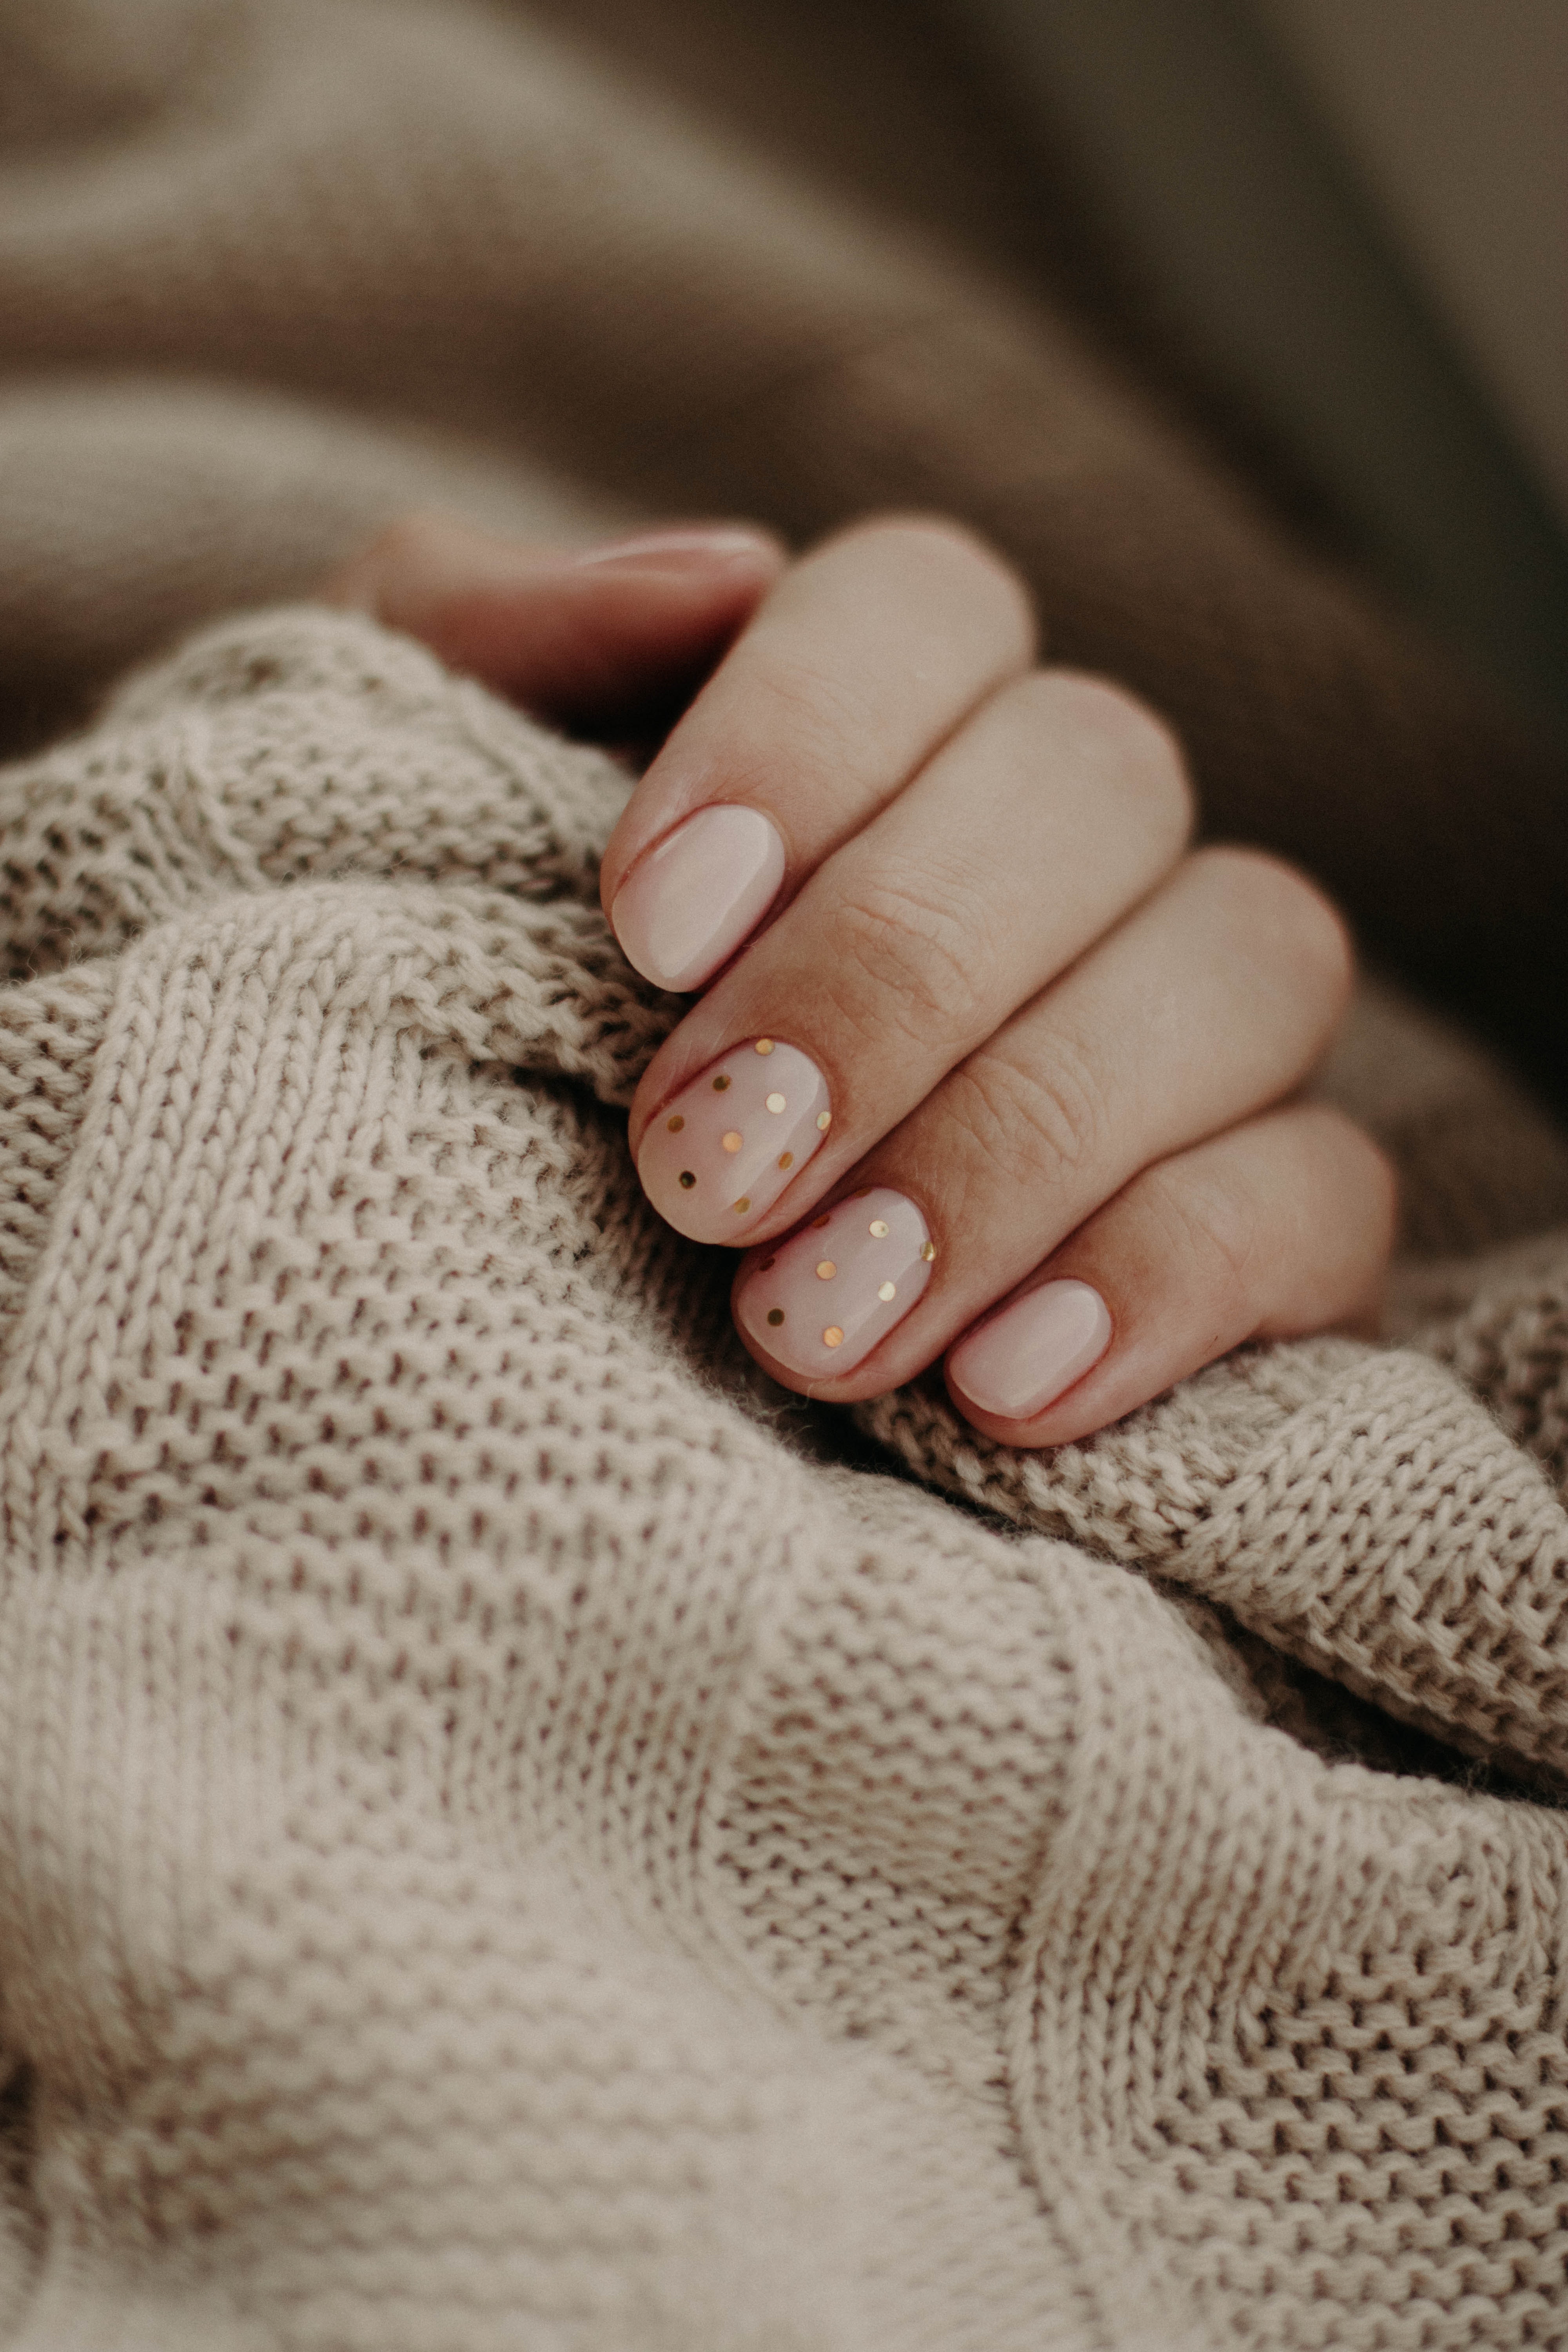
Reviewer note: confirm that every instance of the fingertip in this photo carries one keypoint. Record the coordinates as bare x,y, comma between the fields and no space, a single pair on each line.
695,896
1028,1355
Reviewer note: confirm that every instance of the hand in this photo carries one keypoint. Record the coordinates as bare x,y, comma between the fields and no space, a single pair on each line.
616,638
989,1064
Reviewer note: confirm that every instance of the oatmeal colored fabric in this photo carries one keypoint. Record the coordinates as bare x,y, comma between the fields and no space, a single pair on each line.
513,1833
503,1843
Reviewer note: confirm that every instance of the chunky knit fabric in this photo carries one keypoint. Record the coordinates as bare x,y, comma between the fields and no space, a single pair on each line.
503,1843
514,1833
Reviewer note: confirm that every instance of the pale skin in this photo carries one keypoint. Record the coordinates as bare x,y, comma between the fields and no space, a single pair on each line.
1072,1040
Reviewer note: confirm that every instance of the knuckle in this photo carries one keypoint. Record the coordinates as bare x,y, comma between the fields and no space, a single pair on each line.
389,573
1299,921
408,545
1028,1124
954,553
1209,1223
923,963
1149,761
1372,1176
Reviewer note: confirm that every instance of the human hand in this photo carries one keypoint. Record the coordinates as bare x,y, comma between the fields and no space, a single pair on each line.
989,1064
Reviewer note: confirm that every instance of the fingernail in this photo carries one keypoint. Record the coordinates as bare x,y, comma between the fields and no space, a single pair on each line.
684,906
1026,1356
717,1156
662,550
819,1303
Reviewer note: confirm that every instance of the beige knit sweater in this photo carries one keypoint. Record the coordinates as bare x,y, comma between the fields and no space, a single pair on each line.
513,1833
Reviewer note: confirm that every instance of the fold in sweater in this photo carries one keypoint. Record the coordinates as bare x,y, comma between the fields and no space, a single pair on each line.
512,1833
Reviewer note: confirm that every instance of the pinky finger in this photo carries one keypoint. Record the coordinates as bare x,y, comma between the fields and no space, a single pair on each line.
1278,1228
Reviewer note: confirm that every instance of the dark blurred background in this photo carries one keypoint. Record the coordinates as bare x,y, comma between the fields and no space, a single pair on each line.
1335,230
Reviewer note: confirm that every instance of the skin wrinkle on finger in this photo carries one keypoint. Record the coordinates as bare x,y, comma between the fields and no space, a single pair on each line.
1032,1123
925,960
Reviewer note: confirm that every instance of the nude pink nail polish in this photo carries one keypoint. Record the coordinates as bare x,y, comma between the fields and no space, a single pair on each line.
1033,1351
689,901
693,545
819,1302
719,1154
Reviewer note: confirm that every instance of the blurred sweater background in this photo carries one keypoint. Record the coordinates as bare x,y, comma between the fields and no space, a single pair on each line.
1227,322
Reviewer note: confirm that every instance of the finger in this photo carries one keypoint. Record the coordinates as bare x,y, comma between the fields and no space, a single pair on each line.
863,660
601,633
1059,805
1281,1227
1212,999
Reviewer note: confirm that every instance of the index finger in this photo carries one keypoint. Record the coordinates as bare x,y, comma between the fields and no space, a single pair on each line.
856,669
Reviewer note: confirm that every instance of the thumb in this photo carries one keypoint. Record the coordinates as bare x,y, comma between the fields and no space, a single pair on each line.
590,638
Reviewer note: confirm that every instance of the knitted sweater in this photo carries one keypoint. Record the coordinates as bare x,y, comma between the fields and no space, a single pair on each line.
513,1832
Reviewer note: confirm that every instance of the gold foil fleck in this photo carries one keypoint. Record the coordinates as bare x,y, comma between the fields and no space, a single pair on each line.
676,1124
743,1204
824,1121
889,1290
786,1160
720,1083
765,1044
776,1103
833,1337
826,1270
776,1316
928,1251
879,1228
733,1140
688,1179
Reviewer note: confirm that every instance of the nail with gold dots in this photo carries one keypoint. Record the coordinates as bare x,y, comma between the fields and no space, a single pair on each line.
734,1138
868,1260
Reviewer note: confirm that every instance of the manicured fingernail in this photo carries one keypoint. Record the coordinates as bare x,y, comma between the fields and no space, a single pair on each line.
820,1301
717,1156
665,550
684,906
1025,1357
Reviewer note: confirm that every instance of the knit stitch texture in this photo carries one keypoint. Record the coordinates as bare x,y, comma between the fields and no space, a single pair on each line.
513,1832
497,1838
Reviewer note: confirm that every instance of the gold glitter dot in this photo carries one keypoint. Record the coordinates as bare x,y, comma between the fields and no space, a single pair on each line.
743,1204
764,1045
775,1104
688,1179
719,1084
833,1337
776,1316
786,1160
826,1270
676,1124
879,1227
824,1121
889,1290
733,1140
927,1252
818,1224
